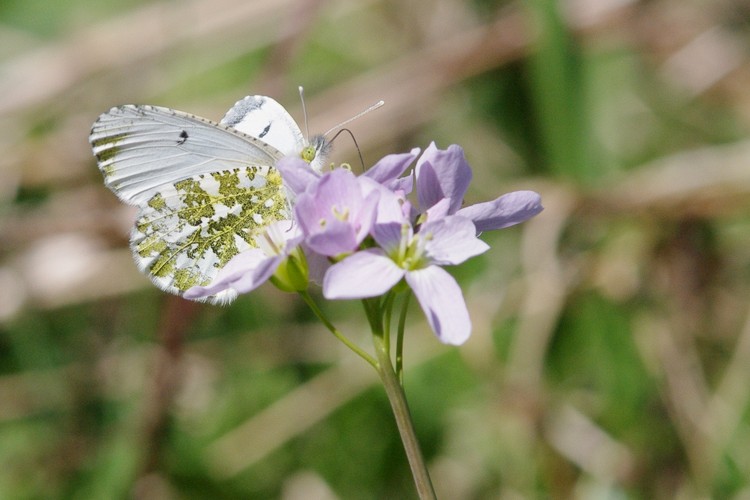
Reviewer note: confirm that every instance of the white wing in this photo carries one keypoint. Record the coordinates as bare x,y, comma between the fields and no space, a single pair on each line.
141,148
266,119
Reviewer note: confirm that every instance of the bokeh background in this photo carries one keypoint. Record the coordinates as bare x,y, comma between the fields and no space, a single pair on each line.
610,356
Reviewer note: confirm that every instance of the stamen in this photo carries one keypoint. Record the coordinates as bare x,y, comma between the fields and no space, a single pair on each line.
342,215
404,243
272,241
267,244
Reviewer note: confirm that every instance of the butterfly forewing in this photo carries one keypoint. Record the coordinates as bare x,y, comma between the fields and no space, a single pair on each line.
266,119
141,148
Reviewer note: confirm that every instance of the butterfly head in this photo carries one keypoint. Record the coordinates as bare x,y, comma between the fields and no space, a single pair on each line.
316,152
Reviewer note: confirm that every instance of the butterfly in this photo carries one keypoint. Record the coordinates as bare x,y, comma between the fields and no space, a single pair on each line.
204,190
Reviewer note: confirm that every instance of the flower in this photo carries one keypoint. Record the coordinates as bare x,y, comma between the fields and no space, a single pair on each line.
415,257
414,246
445,175
247,270
336,212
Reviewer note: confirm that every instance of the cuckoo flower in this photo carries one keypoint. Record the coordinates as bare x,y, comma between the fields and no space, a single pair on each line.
415,257
445,175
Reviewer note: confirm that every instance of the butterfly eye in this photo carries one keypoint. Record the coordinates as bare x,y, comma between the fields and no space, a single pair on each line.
308,153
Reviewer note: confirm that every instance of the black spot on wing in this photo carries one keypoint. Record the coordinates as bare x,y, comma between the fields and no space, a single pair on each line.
183,138
265,131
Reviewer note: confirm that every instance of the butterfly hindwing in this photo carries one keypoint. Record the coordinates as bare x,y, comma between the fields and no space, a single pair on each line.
191,228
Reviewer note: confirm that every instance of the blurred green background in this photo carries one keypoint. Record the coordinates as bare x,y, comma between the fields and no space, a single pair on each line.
610,356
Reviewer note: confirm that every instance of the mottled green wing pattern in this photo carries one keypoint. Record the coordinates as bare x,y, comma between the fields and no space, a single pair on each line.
190,229
204,190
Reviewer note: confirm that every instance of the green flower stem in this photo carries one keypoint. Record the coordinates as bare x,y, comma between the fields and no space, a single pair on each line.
400,339
400,408
391,382
387,314
348,343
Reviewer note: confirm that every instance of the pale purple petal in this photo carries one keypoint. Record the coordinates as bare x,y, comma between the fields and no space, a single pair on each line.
442,302
451,240
390,207
262,273
297,174
335,214
243,273
367,215
408,212
388,236
438,210
391,167
505,211
364,274
317,265
404,184
249,269
337,238
442,174
338,188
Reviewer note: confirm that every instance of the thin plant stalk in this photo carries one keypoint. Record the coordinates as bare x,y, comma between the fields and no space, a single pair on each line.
391,382
397,398
348,343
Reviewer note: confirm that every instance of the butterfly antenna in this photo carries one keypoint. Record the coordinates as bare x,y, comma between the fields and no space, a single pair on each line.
361,113
359,151
304,110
